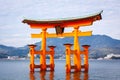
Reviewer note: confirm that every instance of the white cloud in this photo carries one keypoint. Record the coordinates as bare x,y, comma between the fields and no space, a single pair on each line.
18,42
13,12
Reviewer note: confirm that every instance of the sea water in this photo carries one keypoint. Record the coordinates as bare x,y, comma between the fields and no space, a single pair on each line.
98,70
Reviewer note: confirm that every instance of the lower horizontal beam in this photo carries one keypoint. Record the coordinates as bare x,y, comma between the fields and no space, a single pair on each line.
82,52
73,67
82,66
37,66
36,35
54,35
38,52
48,66
87,33
73,51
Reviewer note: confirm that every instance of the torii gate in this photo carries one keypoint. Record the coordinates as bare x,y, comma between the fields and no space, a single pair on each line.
59,25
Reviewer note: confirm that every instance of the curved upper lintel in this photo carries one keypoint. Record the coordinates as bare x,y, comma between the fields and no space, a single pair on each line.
69,22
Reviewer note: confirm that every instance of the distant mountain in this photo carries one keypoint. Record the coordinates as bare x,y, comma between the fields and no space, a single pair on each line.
11,51
101,46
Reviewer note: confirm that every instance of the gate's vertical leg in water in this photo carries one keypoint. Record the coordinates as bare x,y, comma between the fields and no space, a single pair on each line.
32,52
43,48
77,58
86,57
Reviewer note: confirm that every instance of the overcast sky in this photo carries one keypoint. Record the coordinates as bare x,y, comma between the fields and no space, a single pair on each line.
14,33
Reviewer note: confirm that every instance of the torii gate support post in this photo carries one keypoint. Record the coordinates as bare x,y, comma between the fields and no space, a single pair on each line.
52,52
77,58
68,60
86,56
32,52
43,48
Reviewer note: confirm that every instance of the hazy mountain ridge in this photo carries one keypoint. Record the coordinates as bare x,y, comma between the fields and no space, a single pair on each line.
100,46
11,51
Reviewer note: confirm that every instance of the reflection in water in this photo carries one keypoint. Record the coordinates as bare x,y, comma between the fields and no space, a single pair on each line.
32,77
45,75
77,76
86,76
42,75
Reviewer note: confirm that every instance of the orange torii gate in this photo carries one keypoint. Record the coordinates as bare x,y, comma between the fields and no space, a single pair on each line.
59,25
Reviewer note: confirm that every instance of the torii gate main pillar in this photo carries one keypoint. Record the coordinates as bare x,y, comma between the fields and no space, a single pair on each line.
77,59
43,48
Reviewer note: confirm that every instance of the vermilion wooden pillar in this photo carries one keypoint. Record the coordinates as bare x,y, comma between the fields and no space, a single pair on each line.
68,60
86,57
43,48
32,52
52,57
77,58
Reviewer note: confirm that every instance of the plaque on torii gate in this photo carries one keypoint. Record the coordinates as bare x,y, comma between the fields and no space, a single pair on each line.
59,26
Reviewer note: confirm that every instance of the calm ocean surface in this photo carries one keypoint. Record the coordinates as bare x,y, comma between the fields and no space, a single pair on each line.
98,70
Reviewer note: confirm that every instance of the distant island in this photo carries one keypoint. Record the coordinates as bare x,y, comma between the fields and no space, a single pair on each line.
102,47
